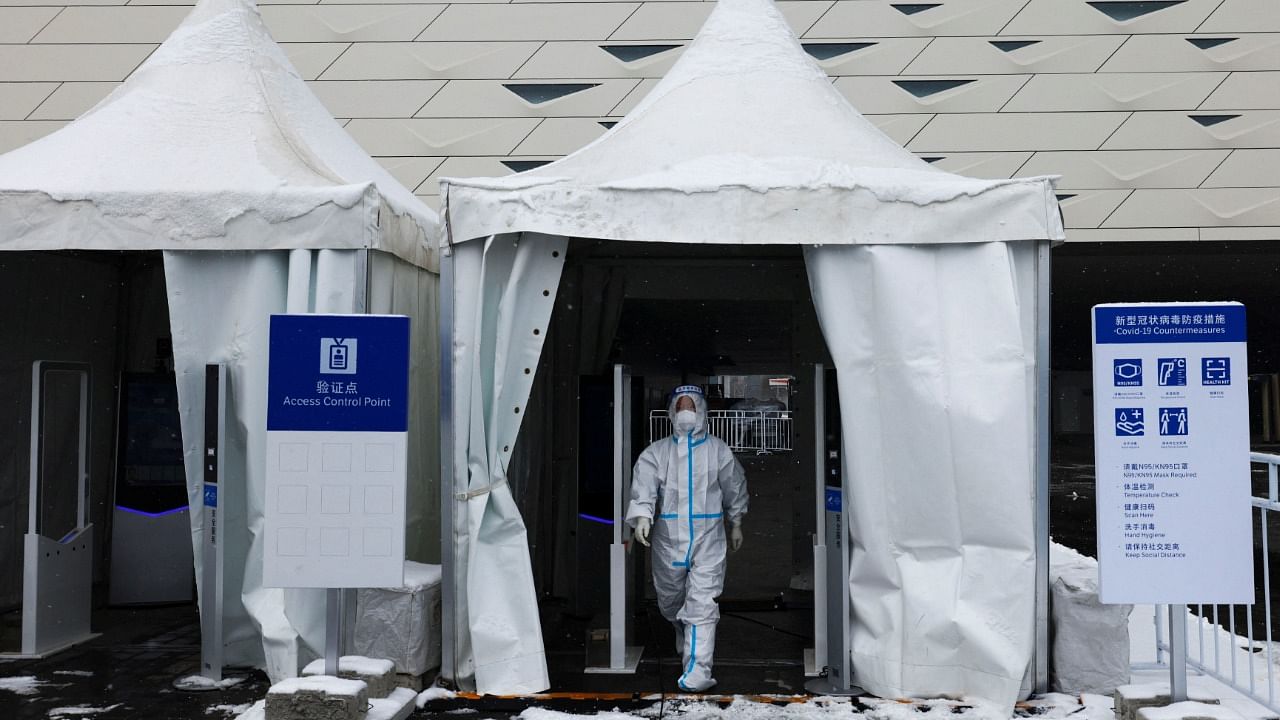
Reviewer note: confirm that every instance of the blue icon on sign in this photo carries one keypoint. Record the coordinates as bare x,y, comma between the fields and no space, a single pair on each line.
1173,421
1127,372
211,495
1215,371
338,356
1129,422
1171,371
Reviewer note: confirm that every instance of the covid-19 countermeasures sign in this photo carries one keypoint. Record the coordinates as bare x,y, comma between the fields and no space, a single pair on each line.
1171,435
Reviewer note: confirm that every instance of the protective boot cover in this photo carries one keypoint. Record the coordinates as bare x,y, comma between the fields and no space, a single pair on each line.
688,484
699,646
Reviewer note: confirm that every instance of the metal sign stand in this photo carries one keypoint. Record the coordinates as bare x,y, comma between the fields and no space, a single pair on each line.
1177,653
332,630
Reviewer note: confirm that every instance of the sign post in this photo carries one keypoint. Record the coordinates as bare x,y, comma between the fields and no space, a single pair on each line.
337,428
1171,439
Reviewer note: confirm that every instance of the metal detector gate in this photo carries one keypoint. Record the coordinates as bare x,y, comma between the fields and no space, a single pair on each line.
57,573
623,658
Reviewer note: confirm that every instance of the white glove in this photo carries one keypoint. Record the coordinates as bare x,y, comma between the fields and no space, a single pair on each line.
735,536
642,531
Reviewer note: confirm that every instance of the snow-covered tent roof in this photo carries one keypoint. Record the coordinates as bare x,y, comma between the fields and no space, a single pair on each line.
746,141
214,143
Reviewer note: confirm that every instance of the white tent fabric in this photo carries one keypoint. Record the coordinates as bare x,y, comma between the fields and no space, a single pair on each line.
215,143
507,287
220,306
935,401
745,141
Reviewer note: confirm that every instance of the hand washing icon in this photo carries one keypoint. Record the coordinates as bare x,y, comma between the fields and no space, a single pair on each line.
1129,422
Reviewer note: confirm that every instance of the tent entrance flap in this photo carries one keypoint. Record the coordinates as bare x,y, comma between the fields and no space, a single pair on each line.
939,386
937,398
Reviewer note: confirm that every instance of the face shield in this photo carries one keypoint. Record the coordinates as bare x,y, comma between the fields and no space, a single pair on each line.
699,419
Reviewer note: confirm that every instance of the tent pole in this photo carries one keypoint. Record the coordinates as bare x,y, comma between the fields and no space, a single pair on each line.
1043,362
360,296
448,584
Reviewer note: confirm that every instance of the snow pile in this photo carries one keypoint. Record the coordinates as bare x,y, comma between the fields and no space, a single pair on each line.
83,711
21,684
1189,711
435,692
354,664
192,683
209,144
1090,640
396,705
418,576
917,186
746,112
326,684
228,710
256,711
1051,707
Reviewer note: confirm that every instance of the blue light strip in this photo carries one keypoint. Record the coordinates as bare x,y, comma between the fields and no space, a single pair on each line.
595,519
162,513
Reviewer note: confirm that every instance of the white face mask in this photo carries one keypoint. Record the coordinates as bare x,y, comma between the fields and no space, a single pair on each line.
686,421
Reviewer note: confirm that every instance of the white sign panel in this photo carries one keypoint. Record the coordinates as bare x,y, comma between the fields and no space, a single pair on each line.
337,421
1171,438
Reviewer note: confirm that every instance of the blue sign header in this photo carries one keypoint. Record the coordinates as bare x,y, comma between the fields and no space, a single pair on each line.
1168,323
339,373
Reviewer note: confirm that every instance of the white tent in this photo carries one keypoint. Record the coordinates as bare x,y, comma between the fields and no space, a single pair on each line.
216,153
926,285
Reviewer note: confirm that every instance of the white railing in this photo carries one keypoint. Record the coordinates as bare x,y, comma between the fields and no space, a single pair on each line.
759,431
1218,650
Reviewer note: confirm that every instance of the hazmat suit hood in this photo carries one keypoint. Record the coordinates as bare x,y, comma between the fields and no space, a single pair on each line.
694,393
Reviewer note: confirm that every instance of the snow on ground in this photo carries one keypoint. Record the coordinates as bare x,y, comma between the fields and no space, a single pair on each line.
356,664
77,673
81,711
228,710
200,682
435,693
21,684
1050,707
1201,643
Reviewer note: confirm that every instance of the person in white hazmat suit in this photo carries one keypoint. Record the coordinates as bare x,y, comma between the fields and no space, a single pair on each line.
683,489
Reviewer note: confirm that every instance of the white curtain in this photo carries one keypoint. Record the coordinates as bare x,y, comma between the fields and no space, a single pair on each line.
933,359
505,287
220,305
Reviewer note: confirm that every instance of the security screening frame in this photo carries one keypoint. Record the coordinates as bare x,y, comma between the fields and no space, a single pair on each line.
337,426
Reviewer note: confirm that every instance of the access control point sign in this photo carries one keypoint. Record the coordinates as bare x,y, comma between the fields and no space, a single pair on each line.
337,422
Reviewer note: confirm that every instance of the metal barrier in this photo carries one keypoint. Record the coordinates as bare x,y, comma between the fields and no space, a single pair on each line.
759,431
1225,655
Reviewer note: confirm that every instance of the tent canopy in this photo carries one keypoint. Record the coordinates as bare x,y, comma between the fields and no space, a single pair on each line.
927,287
746,141
214,143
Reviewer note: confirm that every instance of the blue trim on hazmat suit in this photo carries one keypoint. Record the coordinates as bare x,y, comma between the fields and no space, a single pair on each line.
688,484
